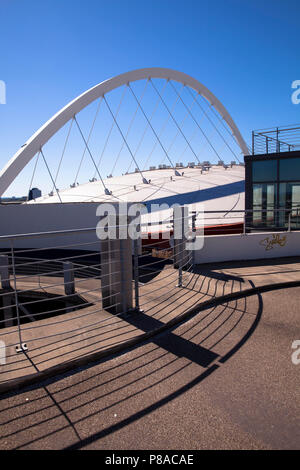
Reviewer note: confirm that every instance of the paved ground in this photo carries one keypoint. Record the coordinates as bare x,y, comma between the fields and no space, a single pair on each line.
222,380
260,272
73,335
79,333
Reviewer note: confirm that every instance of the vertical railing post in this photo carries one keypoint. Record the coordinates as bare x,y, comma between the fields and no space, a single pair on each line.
122,269
4,272
69,283
7,296
289,221
177,231
194,217
180,270
136,274
20,347
180,239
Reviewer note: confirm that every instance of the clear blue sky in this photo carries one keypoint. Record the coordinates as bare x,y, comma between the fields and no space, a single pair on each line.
245,51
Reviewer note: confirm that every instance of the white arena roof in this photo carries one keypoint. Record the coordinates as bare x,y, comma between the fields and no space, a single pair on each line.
215,189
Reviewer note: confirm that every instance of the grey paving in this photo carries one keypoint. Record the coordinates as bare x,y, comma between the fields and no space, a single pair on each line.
162,395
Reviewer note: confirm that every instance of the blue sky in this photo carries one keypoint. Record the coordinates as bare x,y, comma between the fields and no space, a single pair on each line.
245,51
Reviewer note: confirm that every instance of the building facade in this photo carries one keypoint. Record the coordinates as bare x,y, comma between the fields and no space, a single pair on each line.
272,186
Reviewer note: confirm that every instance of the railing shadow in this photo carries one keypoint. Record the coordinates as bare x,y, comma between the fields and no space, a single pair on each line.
79,397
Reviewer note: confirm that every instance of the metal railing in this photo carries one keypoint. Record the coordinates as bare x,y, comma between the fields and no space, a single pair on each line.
276,140
87,297
220,222
54,309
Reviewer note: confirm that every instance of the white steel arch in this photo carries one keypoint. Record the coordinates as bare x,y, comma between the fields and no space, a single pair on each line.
39,139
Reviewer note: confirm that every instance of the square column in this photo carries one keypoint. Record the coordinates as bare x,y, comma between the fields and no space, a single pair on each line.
116,274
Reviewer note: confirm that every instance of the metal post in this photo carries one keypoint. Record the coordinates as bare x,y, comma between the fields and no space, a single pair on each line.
4,272
21,347
194,217
136,273
69,283
181,245
289,221
180,239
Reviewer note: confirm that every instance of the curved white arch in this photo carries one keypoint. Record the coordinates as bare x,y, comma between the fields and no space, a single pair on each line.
38,140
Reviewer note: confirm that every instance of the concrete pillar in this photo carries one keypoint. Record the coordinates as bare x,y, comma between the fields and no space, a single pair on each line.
116,275
181,256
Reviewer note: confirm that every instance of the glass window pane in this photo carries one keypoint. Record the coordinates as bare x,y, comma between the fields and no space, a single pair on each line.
264,203
289,169
264,171
289,199
257,203
282,215
271,204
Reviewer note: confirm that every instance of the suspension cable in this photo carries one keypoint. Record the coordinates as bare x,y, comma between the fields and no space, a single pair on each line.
212,123
175,122
191,138
63,152
112,126
92,158
163,126
89,136
178,132
126,143
54,185
211,107
197,124
129,129
160,143
147,125
33,174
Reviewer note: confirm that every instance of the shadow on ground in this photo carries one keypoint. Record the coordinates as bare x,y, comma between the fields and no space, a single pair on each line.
76,410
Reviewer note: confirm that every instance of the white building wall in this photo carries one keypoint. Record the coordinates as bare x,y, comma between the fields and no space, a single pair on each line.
35,218
250,246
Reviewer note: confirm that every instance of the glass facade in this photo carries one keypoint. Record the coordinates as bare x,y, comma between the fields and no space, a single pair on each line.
289,199
265,170
264,204
276,193
289,169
